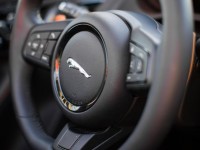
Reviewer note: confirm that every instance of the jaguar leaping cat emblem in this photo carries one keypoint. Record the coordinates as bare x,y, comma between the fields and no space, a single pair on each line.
74,65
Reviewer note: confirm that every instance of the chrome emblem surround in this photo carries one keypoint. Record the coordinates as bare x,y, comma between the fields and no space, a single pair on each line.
74,65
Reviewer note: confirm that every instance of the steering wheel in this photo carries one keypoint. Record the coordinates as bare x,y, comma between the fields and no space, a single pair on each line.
98,64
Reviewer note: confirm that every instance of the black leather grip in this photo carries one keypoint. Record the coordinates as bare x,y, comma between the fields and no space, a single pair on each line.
21,76
171,75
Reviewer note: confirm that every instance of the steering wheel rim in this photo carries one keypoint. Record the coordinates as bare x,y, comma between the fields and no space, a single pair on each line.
174,58
161,80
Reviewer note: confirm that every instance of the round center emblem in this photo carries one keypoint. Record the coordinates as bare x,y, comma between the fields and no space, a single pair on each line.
82,69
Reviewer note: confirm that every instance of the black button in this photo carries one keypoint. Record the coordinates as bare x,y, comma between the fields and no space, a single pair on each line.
136,78
45,59
30,41
65,142
139,66
43,44
41,49
35,44
132,49
54,35
44,35
29,44
30,52
133,64
136,51
136,65
50,47
41,35
37,36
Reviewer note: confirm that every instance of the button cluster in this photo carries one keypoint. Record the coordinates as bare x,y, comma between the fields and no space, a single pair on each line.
39,46
138,64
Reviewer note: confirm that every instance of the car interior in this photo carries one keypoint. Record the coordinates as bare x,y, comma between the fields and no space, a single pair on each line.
99,74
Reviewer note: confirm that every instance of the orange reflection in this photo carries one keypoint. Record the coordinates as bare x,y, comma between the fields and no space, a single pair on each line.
60,17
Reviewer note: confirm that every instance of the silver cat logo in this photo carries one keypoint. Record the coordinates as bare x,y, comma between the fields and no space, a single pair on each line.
74,65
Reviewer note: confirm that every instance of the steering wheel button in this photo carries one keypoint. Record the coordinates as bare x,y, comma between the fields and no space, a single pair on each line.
41,35
54,35
132,49
41,49
35,45
30,53
65,142
42,45
139,66
50,47
137,51
128,78
38,36
133,64
135,78
45,58
29,44
44,35
38,54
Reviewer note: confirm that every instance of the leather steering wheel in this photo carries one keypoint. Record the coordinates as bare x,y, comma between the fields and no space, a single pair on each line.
98,62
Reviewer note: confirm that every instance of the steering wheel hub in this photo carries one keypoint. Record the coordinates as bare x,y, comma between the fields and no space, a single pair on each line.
88,69
82,69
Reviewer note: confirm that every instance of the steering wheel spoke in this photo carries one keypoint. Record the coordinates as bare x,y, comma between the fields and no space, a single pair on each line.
41,43
143,46
142,51
74,138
